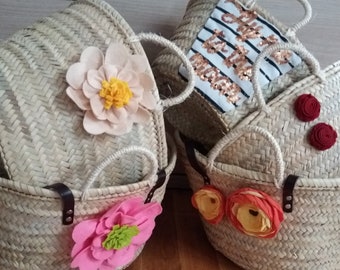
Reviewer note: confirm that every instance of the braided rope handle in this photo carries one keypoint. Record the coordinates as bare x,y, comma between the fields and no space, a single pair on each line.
303,53
151,37
109,159
233,135
291,31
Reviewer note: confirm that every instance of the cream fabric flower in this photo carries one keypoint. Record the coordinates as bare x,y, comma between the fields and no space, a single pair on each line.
114,90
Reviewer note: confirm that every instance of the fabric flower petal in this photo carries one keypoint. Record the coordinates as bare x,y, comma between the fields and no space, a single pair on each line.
93,126
78,98
76,75
124,208
116,54
130,77
110,71
113,239
81,233
209,201
114,89
322,136
148,100
307,107
101,254
139,63
254,213
122,256
95,78
97,108
92,57
111,117
120,113
89,91
147,81
85,261
141,116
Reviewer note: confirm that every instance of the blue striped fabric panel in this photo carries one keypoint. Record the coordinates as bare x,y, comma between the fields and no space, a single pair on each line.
225,50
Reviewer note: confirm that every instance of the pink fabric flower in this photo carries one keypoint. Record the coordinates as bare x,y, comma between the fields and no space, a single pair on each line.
112,240
115,90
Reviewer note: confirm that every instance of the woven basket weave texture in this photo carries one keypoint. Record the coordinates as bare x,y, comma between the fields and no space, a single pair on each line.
41,133
196,117
309,236
42,139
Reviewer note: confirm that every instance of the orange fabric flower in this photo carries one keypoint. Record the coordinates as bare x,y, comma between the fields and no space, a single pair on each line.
254,212
210,203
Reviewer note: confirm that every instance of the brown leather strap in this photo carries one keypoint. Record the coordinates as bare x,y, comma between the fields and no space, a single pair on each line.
160,182
190,147
287,194
67,199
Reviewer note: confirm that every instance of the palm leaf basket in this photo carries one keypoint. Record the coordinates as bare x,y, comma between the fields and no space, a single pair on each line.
221,37
292,159
44,146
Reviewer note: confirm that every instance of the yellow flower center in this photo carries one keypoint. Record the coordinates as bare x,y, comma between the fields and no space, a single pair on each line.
208,203
253,220
115,92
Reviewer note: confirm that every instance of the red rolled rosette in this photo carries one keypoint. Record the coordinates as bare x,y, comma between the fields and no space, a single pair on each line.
322,136
209,201
307,107
254,212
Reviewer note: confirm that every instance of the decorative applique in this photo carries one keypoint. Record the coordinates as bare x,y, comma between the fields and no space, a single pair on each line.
115,91
225,50
322,136
112,240
307,107
210,203
254,213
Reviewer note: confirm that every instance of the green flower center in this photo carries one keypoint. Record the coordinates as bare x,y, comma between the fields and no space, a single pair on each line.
120,237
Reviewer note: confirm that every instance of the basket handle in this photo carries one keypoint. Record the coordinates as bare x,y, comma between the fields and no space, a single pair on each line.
127,150
291,30
233,135
151,37
303,53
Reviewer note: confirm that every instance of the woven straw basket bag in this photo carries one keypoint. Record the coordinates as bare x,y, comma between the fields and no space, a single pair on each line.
45,149
274,180
222,39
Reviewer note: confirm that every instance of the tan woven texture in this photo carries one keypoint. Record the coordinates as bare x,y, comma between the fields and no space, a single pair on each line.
309,236
41,128
196,117
292,134
42,139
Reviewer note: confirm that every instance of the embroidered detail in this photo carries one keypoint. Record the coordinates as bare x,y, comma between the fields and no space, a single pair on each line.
212,45
213,75
225,50
238,60
270,40
282,56
254,212
322,136
307,107
247,26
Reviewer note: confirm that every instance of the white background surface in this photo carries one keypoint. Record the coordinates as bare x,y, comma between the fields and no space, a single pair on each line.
321,36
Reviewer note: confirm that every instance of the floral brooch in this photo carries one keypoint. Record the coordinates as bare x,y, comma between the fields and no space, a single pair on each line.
114,89
112,240
251,211
254,213
322,136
